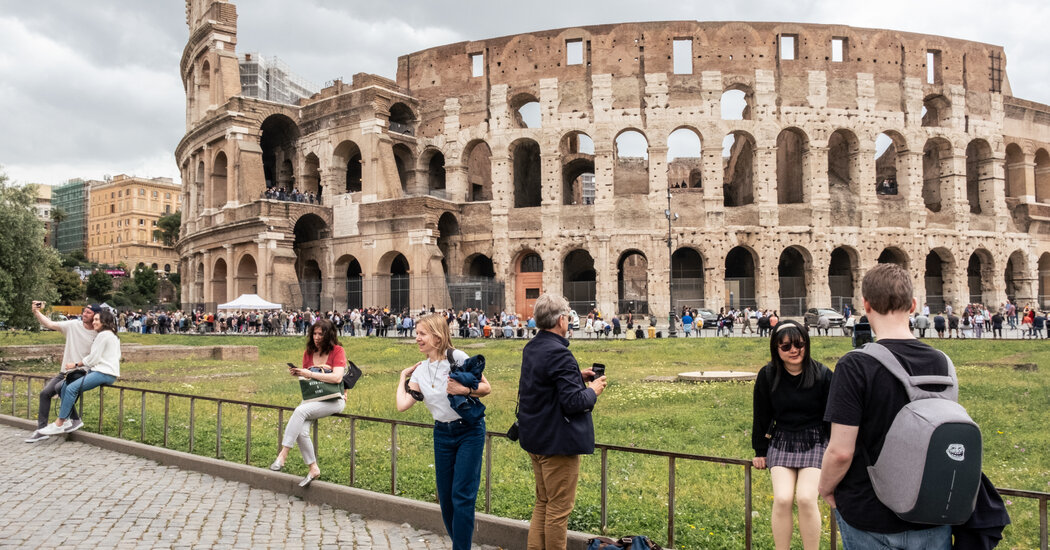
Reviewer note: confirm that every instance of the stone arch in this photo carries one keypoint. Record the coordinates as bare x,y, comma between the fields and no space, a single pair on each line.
792,157
218,281
842,276
433,161
684,158
740,269
893,255
528,281
478,160
890,147
844,174
1042,176
579,280
219,180
980,275
525,110
577,168
738,168
350,267
279,141
311,180
309,228
1015,171
479,265
937,173
979,177
631,163
247,275
528,174
310,278
1017,279
793,270
403,162
939,277
204,96
632,282
447,237
687,278
737,102
348,156
1044,280
936,111
402,119
400,282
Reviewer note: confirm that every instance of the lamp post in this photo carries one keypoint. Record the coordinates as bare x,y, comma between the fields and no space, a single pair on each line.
670,266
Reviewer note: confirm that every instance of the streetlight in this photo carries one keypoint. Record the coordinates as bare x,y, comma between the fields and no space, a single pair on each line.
670,266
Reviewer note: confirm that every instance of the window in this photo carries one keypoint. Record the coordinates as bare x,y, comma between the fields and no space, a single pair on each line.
788,47
142,221
120,193
838,50
167,196
167,209
532,293
574,52
155,194
118,223
112,208
112,196
477,64
683,56
154,223
142,192
933,66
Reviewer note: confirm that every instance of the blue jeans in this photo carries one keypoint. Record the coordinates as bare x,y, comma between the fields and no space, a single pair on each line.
70,392
935,538
458,447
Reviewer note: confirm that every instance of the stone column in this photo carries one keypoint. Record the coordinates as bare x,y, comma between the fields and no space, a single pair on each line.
815,182
550,179
818,293
231,274
764,185
209,292
605,286
912,187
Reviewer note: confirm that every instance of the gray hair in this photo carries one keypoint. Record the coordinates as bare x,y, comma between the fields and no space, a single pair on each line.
548,309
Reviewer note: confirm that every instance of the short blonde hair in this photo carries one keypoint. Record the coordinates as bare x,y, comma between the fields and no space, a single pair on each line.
548,309
436,324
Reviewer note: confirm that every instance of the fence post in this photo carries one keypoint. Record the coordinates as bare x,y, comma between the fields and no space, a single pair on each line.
353,449
120,416
393,458
280,424
193,416
605,491
167,400
142,419
218,431
488,473
670,502
1042,523
100,404
248,436
29,398
748,527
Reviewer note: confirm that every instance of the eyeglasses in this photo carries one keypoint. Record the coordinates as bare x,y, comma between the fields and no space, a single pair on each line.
786,346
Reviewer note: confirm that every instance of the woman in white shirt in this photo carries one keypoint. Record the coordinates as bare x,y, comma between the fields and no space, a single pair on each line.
103,363
458,444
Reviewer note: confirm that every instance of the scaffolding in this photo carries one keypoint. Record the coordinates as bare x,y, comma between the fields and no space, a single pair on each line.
271,79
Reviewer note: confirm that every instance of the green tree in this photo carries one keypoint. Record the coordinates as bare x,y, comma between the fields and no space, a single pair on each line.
145,281
74,259
58,215
99,286
25,263
168,228
68,285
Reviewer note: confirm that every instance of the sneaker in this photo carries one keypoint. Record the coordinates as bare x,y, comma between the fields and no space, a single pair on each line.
52,429
36,436
74,425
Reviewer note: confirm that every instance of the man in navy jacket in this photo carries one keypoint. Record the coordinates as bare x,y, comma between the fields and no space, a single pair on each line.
554,419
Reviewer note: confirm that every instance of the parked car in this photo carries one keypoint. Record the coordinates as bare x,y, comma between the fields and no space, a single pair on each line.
814,314
710,318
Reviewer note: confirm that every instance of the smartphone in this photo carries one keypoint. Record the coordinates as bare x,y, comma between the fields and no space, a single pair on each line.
38,303
291,366
599,369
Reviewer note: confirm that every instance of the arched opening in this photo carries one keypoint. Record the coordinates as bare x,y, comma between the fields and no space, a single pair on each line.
219,181
938,280
247,276
400,291
579,283
1015,184
792,149
632,282
309,228
979,274
843,174
1016,276
528,283
687,278
936,111
480,265
738,166
218,282
936,173
203,96
889,159
841,282
312,177
401,119
436,173
278,142
979,174
1044,280
525,109
479,171
577,168
893,255
478,287
310,285
792,273
448,231
167,268
1042,176
525,157
354,287
348,155
631,165
153,266
740,278
736,103
684,162
403,162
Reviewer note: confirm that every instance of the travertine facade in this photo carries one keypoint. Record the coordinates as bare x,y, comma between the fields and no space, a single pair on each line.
449,172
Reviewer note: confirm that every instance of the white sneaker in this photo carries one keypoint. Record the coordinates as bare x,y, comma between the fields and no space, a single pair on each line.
52,429
36,436
73,425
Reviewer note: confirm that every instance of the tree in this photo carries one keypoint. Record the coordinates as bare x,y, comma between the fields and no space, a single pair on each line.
68,285
99,286
25,263
58,215
168,228
145,280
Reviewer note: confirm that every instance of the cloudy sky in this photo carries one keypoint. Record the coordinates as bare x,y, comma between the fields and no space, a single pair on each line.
92,88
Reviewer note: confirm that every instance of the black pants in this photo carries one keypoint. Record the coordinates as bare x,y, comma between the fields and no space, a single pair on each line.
50,390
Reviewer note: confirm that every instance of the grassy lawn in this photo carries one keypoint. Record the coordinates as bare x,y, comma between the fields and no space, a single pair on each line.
706,419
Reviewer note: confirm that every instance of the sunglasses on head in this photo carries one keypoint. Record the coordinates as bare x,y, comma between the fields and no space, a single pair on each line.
786,346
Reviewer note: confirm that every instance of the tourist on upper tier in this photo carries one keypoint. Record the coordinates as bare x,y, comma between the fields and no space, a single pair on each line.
324,360
788,432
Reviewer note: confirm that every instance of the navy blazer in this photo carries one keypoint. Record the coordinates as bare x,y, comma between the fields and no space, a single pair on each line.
554,404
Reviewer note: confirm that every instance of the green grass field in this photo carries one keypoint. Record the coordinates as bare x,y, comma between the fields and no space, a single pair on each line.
705,419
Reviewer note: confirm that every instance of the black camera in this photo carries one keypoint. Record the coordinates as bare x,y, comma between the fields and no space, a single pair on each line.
512,433
862,334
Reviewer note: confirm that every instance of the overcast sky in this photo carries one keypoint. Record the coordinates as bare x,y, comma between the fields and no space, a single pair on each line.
93,88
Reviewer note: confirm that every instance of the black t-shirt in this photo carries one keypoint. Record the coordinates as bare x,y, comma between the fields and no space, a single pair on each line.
793,407
865,394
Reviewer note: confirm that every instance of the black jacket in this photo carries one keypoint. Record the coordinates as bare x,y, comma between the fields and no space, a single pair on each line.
554,404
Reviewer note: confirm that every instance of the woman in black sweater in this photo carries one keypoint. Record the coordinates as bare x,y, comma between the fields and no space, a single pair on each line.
789,434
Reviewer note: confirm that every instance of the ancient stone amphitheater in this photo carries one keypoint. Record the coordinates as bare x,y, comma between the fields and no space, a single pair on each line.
721,163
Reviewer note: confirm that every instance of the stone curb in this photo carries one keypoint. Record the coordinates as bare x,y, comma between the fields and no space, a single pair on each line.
489,530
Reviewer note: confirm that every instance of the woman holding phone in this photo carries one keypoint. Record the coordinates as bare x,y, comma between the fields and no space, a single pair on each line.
458,443
324,360
789,435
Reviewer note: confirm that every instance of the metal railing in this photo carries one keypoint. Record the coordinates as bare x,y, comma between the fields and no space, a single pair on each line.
603,449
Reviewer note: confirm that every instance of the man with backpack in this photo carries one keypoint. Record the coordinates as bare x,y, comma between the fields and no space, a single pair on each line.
868,395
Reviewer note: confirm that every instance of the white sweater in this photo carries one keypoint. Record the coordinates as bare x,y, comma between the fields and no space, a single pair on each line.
105,354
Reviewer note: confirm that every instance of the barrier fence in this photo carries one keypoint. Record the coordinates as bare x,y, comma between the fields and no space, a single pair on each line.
602,449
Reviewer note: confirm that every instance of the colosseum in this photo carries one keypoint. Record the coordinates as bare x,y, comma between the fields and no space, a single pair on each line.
715,163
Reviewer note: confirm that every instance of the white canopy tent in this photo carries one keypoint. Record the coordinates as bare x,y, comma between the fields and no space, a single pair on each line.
249,301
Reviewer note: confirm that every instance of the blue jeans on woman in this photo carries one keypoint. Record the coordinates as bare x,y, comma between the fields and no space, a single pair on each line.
458,447
70,392
934,538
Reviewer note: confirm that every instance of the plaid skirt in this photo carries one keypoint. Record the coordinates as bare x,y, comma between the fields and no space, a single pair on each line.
790,455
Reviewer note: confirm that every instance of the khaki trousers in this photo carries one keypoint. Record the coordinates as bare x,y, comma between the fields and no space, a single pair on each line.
556,478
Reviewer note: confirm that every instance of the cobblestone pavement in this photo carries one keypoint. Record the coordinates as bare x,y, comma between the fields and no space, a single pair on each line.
57,493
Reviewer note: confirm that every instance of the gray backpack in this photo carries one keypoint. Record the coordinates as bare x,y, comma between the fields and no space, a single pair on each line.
929,469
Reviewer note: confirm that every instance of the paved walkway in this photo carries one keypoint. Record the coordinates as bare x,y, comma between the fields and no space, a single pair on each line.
108,499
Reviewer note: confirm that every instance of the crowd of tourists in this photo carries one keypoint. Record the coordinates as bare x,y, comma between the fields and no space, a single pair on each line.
295,195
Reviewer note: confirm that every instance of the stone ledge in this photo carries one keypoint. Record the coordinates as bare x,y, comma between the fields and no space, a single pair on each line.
492,530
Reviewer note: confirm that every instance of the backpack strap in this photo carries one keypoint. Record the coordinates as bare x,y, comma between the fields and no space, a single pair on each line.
912,383
451,361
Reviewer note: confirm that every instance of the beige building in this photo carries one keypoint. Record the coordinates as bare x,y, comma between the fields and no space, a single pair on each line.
122,215
796,156
43,209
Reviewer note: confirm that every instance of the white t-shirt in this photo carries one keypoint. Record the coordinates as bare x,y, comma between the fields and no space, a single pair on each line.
433,384
105,354
78,341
